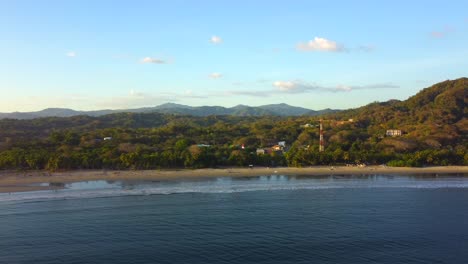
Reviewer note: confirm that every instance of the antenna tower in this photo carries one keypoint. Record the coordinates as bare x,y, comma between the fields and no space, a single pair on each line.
321,146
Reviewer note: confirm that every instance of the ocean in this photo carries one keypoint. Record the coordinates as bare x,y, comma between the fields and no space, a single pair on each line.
266,219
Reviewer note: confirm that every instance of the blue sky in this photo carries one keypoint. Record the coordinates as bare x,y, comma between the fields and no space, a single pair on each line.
90,55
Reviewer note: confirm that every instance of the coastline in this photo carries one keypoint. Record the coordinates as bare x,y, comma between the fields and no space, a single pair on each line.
14,181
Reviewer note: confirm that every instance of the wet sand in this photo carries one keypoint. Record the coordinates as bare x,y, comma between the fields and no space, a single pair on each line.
13,181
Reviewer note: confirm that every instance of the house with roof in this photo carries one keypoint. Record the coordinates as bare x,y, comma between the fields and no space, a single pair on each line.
393,132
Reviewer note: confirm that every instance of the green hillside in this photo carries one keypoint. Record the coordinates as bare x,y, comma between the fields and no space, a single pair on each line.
435,116
433,124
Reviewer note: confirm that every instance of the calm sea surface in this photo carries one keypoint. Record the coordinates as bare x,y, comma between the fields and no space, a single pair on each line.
268,219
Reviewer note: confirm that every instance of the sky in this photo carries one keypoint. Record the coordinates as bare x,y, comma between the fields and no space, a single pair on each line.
90,55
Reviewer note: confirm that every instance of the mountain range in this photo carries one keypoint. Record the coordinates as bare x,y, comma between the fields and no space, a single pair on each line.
172,108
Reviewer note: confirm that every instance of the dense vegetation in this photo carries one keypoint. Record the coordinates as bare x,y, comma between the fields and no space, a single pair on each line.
433,122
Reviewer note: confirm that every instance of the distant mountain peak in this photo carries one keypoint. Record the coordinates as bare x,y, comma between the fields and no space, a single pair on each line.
240,106
172,105
280,104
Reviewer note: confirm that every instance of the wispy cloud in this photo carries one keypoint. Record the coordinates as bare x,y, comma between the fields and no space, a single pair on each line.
216,40
320,44
153,60
366,48
258,93
134,93
376,86
191,95
71,54
258,82
161,95
441,33
438,34
122,56
135,99
262,80
132,98
215,75
300,87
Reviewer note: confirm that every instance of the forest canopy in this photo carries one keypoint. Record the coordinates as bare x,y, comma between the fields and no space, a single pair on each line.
432,123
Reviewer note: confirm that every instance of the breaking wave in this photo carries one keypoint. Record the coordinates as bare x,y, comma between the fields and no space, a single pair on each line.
102,189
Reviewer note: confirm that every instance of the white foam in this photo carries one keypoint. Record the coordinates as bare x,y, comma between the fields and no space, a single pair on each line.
229,185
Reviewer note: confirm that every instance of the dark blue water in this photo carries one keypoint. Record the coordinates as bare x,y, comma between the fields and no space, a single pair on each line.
351,223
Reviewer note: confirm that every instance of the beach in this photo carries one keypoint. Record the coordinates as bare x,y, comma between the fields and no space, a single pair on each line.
14,181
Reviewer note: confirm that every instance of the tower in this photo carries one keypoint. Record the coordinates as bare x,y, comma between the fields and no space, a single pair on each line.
321,146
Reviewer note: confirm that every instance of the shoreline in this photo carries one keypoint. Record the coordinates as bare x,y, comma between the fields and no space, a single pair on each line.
14,181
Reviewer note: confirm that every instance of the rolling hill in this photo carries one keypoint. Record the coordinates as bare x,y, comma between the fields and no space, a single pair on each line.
434,117
171,108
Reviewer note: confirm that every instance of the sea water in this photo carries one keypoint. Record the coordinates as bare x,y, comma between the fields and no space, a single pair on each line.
266,219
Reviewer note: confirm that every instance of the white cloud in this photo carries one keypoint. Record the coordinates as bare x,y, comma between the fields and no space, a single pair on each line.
320,44
286,86
215,75
153,60
71,54
216,40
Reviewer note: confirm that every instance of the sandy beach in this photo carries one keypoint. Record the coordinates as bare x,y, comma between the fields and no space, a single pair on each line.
13,181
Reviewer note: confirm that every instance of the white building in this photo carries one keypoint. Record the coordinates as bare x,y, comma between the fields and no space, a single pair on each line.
393,132
260,151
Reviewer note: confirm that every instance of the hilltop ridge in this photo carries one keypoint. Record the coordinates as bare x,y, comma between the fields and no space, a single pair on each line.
173,108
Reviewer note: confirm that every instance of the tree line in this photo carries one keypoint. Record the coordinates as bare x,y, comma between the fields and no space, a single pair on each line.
433,124
200,142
